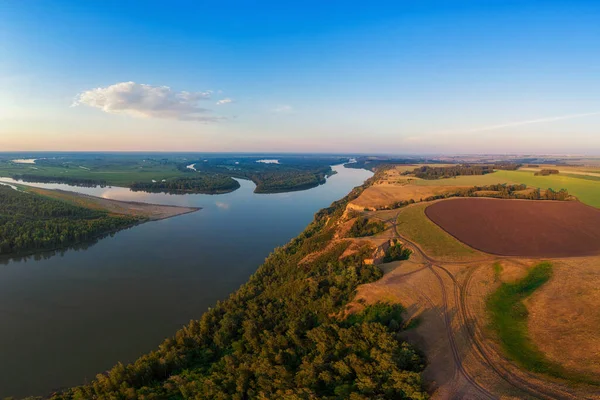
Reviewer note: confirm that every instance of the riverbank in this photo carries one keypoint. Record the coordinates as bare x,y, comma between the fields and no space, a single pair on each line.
152,212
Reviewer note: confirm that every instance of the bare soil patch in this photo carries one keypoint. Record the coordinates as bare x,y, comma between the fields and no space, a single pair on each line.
521,227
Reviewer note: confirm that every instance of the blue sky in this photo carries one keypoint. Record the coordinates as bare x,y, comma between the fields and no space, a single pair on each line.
389,77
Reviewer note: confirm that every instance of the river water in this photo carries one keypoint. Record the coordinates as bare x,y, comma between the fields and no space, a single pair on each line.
66,316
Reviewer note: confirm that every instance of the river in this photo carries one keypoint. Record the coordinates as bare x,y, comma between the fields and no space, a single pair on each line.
69,315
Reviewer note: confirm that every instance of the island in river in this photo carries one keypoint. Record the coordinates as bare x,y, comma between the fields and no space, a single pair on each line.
34,219
173,173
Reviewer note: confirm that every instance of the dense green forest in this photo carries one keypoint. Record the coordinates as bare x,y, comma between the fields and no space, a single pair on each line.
30,222
280,336
364,227
201,183
60,179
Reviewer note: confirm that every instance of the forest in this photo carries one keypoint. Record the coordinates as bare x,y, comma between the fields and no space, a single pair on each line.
427,172
138,171
30,222
204,183
364,227
280,336
292,174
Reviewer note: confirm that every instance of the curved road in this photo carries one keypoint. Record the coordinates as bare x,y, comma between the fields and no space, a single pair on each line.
534,387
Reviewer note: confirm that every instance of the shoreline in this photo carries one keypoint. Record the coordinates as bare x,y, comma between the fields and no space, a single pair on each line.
152,212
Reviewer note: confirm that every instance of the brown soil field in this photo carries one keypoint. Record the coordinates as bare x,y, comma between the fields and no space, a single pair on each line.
521,227
446,317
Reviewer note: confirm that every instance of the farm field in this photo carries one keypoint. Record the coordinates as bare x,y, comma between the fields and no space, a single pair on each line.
586,190
450,328
414,224
385,194
563,169
446,285
563,316
468,180
521,227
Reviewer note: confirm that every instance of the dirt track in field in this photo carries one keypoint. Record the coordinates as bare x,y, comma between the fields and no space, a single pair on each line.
521,227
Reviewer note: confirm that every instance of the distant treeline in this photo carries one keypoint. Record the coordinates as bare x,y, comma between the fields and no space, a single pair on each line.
500,191
282,335
292,174
546,172
373,163
60,179
507,166
427,172
200,183
30,222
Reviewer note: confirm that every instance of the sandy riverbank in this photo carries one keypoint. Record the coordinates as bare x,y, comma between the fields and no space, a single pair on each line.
153,212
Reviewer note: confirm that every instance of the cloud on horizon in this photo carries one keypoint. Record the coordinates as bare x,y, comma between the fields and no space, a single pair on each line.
519,123
147,101
226,100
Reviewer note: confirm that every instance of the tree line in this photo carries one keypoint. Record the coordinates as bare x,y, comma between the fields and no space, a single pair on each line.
499,191
546,172
30,222
291,175
60,179
428,172
280,336
201,183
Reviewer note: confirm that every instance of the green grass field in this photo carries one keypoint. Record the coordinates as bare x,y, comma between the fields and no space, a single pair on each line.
509,320
118,175
587,190
465,180
414,224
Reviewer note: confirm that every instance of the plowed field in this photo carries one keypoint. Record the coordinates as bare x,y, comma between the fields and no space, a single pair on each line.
521,227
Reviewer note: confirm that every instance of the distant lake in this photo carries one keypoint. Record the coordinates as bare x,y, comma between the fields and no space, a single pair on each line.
69,315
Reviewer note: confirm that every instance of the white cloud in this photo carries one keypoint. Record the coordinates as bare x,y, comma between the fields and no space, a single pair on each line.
147,101
224,101
283,109
519,123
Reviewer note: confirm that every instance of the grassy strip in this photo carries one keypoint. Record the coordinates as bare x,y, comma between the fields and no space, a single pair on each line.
509,320
414,224
579,176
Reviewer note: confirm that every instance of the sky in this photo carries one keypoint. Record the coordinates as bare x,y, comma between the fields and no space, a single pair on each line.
393,77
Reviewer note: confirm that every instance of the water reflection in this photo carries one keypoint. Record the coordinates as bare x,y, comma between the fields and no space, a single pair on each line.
70,314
